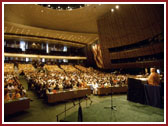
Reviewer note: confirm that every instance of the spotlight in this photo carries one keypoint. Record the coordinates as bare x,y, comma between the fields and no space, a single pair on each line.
49,5
117,7
112,10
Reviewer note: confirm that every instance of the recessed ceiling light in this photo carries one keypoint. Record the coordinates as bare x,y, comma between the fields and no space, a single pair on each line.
112,10
42,11
117,7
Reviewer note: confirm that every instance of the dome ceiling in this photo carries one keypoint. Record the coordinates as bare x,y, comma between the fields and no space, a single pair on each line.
76,25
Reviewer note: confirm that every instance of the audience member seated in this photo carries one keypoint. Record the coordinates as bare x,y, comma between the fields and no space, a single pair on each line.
69,68
8,67
13,89
53,68
153,78
26,68
82,68
54,81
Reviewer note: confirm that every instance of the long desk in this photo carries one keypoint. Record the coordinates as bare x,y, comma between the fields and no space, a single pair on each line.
14,106
144,93
106,91
60,96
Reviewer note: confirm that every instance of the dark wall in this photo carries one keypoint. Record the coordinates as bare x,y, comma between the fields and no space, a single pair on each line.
128,25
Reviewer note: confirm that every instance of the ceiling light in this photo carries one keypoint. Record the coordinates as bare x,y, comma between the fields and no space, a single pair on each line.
117,7
42,11
112,10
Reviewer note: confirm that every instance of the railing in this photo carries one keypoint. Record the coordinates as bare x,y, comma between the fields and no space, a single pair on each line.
74,105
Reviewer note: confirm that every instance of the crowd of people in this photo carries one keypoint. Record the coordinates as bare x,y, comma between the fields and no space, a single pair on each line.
13,89
51,82
67,77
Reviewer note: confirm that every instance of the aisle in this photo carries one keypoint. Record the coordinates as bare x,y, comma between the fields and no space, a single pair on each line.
39,110
23,81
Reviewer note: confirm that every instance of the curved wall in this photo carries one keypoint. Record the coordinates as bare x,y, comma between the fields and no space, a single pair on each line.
131,24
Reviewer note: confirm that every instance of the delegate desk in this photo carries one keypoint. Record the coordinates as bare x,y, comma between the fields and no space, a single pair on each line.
13,106
68,95
144,93
108,90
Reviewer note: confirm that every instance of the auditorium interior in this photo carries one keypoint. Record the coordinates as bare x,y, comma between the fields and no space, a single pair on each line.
83,63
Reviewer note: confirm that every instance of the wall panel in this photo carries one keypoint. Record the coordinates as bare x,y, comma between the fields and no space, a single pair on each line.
127,25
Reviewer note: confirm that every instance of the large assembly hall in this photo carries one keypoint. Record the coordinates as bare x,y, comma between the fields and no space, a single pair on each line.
83,63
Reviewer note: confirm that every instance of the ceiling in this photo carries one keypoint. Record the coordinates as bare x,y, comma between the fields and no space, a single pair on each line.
77,26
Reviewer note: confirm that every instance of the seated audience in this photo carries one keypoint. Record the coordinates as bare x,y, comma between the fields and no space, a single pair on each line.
13,89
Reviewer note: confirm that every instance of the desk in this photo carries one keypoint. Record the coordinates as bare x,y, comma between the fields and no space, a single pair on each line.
143,80
106,91
153,95
67,95
143,93
11,107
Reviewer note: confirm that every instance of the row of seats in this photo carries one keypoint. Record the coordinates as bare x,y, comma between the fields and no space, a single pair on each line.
69,68
26,68
13,89
9,67
53,68
84,69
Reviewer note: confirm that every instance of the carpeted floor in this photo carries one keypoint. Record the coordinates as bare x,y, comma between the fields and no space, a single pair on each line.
126,111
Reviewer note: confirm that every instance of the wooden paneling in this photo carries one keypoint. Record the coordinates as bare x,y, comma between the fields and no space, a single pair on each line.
148,50
128,25
145,64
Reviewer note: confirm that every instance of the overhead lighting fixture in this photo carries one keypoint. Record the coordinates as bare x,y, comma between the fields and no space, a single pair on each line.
117,7
63,6
42,11
112,10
